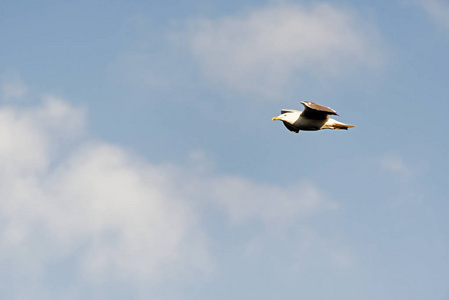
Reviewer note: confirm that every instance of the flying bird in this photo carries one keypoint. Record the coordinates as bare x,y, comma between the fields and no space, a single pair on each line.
313,117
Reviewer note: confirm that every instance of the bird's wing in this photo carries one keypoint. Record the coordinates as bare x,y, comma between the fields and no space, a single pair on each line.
285,110
316,111
290,127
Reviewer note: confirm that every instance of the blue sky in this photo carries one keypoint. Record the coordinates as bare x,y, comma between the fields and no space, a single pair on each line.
139,160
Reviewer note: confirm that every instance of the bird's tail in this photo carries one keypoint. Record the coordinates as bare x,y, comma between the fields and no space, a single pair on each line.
342,126
333,124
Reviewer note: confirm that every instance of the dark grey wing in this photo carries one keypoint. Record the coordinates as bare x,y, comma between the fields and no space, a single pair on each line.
316,111
284,111
290,127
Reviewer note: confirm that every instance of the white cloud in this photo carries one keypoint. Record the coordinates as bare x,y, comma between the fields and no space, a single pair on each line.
437,10
261,51
123,217
116,215
28,135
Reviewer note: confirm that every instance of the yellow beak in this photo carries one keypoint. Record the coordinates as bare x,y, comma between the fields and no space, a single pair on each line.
275,118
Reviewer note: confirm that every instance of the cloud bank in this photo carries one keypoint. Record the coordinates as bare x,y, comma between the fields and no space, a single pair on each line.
67,199
116,213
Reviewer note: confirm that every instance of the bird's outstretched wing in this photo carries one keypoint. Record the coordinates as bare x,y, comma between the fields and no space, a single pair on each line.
316,111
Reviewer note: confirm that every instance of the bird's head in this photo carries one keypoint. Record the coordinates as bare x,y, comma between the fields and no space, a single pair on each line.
289,117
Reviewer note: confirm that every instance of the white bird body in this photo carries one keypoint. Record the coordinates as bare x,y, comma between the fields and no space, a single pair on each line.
313,117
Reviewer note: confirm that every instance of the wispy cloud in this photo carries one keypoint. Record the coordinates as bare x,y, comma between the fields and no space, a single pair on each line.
395,165
331,250
261,51
12,87
245,200
437,10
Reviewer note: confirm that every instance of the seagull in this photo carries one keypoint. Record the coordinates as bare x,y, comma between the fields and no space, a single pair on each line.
313,117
